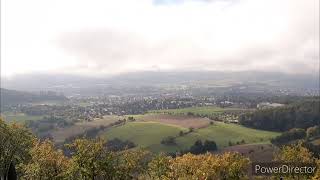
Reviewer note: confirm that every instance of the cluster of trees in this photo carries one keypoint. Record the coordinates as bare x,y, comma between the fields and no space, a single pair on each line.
298,115
305,136
169,141
119,145
230,143
288,136
47,123
90,159
199,148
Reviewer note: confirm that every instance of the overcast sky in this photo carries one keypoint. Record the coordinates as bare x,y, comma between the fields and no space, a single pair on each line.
95,37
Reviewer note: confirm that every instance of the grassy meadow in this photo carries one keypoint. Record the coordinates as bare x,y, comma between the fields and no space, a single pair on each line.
222,133
148,134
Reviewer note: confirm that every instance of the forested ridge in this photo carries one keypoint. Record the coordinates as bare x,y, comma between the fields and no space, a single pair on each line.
303,114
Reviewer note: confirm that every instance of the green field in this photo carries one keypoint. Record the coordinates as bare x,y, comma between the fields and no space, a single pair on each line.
19,117
150,134
146,134
222,133
206,110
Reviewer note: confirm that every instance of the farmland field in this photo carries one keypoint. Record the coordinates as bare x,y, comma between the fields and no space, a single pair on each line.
146,134
206,110
222,133
178,120
149,134
59,135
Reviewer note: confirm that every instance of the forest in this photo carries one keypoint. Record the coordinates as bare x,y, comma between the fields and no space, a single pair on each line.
303,114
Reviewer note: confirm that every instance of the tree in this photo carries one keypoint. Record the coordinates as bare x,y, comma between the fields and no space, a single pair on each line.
159,167
295,153
317,174
292,134
46,162
197,147
132,163
210,146
15,142
90,160
208,166
170,140
181,133
313,131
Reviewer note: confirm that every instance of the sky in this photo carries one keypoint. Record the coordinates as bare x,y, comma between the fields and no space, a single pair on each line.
102,37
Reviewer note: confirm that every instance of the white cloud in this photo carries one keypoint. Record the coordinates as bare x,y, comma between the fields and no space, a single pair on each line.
101,37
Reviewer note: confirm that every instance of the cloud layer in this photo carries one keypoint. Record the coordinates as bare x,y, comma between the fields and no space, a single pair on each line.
114,36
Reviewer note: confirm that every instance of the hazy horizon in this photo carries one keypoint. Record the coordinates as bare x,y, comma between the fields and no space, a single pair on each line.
104,38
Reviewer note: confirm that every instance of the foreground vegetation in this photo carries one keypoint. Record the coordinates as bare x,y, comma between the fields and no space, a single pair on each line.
91,159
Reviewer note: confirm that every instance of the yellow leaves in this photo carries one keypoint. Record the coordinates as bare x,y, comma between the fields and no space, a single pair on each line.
46,162
208,166
158,168
294,154
317,175
87,157
132,163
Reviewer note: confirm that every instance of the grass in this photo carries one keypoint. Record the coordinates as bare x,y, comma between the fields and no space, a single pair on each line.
19,117
146,134
222,133
150,134
206,110
59,135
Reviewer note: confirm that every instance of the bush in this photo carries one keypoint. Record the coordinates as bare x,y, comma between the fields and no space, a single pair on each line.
170,140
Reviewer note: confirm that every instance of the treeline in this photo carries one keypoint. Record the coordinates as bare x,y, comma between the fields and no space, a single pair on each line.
305,136
25,157
303,115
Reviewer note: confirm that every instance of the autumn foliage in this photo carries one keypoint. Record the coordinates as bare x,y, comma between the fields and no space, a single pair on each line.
91,159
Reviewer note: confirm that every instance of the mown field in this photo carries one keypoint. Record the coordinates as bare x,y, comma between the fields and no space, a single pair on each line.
205,110
149,134
223,133
178,120
146,134
59,135
19,117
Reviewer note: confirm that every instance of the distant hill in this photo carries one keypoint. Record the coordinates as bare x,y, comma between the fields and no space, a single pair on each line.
126,82
10,97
